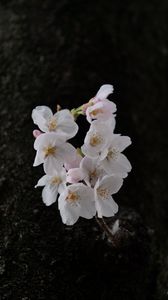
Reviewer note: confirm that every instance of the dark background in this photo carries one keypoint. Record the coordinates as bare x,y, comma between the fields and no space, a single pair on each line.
62,52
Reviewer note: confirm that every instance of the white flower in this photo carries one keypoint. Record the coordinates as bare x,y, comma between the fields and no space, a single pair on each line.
91,171
99,107
76,201
97,139
52,151
115,162
54,182
104,188
61,122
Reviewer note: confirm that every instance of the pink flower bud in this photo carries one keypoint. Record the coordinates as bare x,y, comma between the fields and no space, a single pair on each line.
36,133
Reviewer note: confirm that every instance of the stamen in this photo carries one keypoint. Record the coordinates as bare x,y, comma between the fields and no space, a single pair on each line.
52,125
103,193
72,197
95,112
56,180
92,174
112,154
50,150
95,140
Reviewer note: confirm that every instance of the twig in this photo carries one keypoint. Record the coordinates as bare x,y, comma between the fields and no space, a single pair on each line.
105,229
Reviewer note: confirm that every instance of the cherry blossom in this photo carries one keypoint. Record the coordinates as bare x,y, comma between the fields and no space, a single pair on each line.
97,139
52,151
115,162
99,107
62,122
85,179
54,182
76,201
104,188
91,170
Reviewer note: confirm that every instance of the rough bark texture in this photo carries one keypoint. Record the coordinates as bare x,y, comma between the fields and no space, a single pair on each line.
61,52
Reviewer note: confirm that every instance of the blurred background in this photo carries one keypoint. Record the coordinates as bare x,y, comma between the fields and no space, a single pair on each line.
61,52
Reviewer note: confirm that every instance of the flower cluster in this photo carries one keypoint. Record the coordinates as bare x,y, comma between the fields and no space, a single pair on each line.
85,179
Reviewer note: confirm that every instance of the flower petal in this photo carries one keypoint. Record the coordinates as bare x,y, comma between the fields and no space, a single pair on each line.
66,153
111,183
51,164
75,175
69,213
121,142
106,208
41,115
39,158
43,181
104,91
49,138
66,124
49,195
124,162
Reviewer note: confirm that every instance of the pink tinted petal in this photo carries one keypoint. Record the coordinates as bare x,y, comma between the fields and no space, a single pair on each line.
104,91
75,175
74,163
36,133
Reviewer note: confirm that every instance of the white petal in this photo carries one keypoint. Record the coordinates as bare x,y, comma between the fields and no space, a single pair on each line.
124,162
39,158
119,167
51,164
113,168
111,183
69,213
75,175
66,124
66,153
61,187
41,116
49,138
88,209
106,208
49,195
104,91
64,115
43,180
121,142
88,164
89,152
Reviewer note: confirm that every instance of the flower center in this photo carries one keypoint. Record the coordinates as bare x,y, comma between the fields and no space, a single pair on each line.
50,150
72,197
92,174
95,140
56,180
112,154
52,125
103,193
95,112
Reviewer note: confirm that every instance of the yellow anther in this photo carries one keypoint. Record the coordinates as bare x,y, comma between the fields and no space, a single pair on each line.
95,140
56,180
72,197
50,150
52,125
